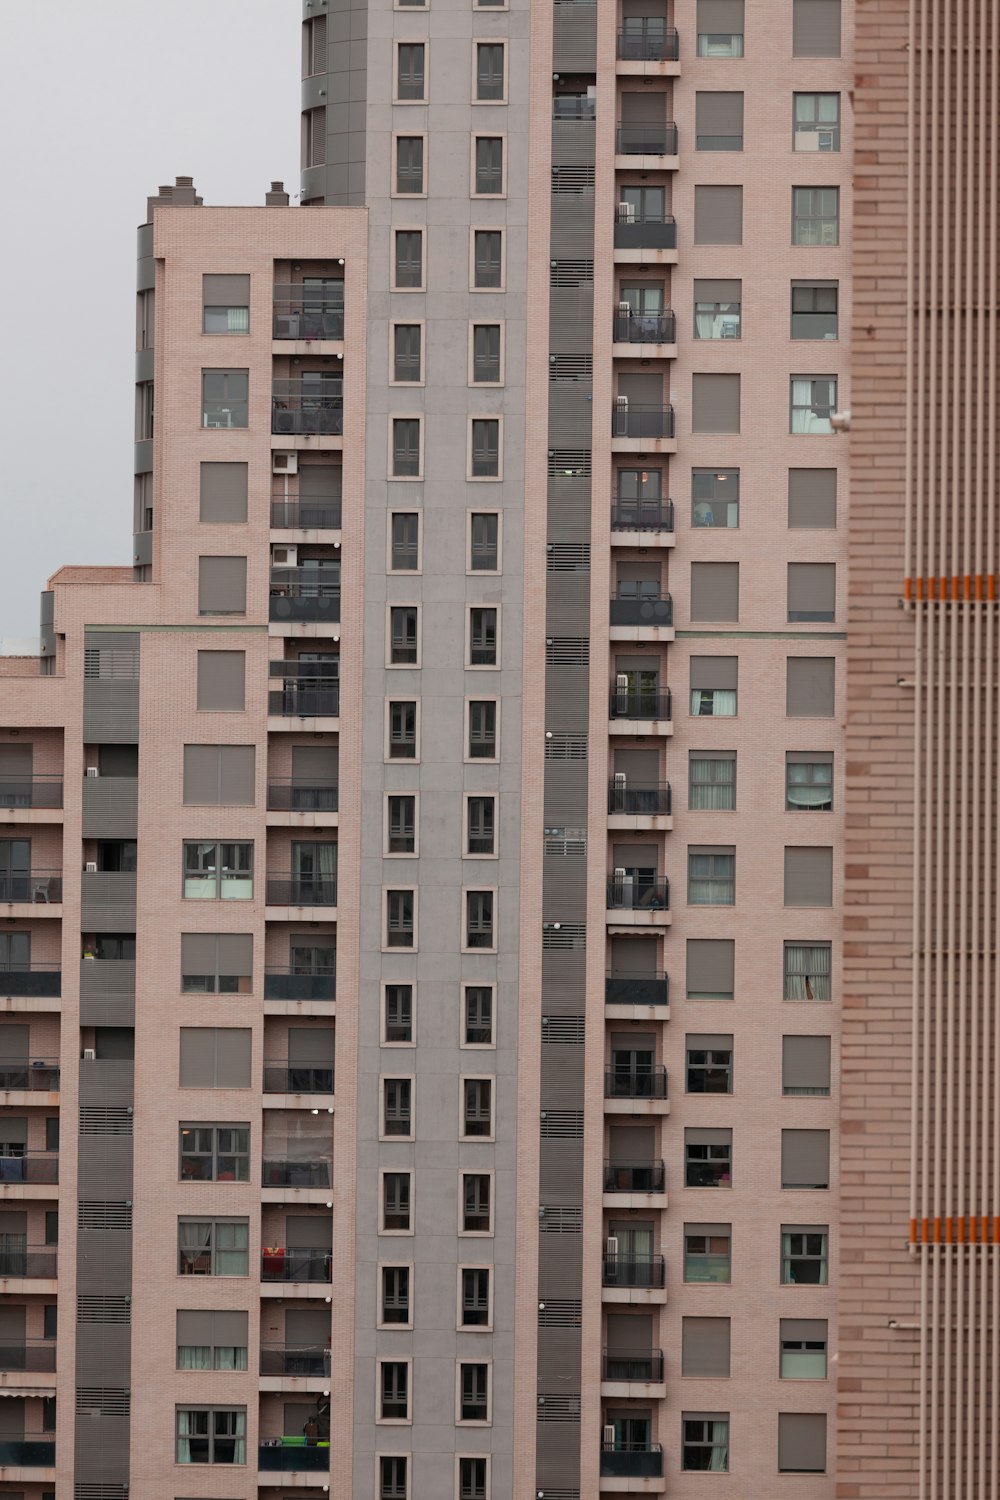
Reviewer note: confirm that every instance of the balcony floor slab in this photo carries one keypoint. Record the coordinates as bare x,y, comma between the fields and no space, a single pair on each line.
620,537
322,1102
295,1195
640,728
637,1012
627,163
294,1479
636,1296
300,914
654,1485
628,67
302,819
289,442
27,1382
300,1008
625,921
652,445
27,911
634,1390
629,256
290,1384
302,1289
11,1192
641,822
628,350
25,815
662,633
635,1200
637,1106
304,723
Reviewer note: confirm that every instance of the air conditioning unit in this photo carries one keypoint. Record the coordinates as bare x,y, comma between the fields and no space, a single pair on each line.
825,140
624,311
284,463
612,1246
285,557
609,1437
91,867
620,781
626,213
89,1054
621,416
92,771
621,692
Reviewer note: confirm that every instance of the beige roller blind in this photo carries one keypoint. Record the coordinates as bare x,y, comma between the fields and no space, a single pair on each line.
215,1057
198,952
705,1347
710,965
715,591
812,591
809,688
222,585
225,291
722,1231
812,498
801,1442
223,492
629,1334
815,28
805,1158
805,1063
715,403
718,215
222,680
710,672
708,1041
808,876
813,1329
197,1068
720,17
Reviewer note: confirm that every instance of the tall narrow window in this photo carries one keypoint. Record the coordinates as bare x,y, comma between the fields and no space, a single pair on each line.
403,635
402,734
408,260
398,1024
474,1388
483,637
478,1027
482,730
484,542
406,352
815,216
395,1294
481,825
479,920
404,554
409,164
489,166
488,259
406,448
411,72
477,1217
399,932
486,354
474,1311
394,1390
477,1107
401,837
485,457
489,71
396,1202
392,1468
397,1109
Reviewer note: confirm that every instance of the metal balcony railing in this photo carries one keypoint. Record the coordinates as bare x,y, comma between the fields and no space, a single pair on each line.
285,1263
34,1355
642,515
31,1167
291,794
284,983
641,798
302,408
648,39
632,1461
294,1454
31,791
635,1083
31,1073
642,610
634,1270
636,989
647,1366
304,594
646,140
644,328
574,107
634,1177
302,313
318,512
301,890
283,1077
640,421
641,704
309,689
645,232
635,894
281,1172
41,981
37,887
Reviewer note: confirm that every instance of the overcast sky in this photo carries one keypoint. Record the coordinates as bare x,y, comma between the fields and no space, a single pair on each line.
99,104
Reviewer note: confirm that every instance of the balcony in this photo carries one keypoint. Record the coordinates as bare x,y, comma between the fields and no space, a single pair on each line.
27,1262
294,1359
646,1368
108,901
317,513
635,1083
646,140
303,313
291,795
641,704
632,1461
32,1075
37,888
301,890
574,107
643,610
33,981
644,328
642,515
283,1077
642,1271
648,232
309,689
636,989
293,1455
32,1168
630,420
32,1451
287,1264
638,894
647,39
32,792
301,595
280,1172
301,409
635,1177
283,983
34,1355
649,799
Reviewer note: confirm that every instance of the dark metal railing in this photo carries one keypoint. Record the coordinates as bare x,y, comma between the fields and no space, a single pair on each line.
286,1263
634,1270
641,421
278,1172
42,981
300,313
320,513
642,515
28,1354
636,989
635,894
639,704
302,890
635,1083
646,140
32,1073
291,795
645,328
298,407
634,1177
32,1262
304,594
29,1168
574,107
634,1367
37,888
32,791
294,1359
632,1461
644,798
650,41
285,1077
642,610
284,983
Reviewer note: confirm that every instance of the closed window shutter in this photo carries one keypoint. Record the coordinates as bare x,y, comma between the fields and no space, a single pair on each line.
710,965
199,953
801,1442
720,17
236,775
222,585
697,1136
805,1158
232,1050
222,680
715,591
808,876
718,118
715,403
223,485
718,215
812,498
805,1064
705,1347
711,672
812,590
236,954
197,1057
719,289
225,291
810,687
815,28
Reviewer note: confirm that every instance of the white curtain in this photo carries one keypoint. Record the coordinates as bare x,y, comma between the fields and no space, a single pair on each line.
807,972
715,703
231,1249
806,789
804,417
720,1447
712,784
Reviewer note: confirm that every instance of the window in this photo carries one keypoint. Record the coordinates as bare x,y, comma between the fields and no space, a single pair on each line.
484,542
215,1057
225,398
711,875
480,826
717,309
399,919
709,1064
815,216
708,1253
715,403
404,532
213,1247
718,215
718,121
145,397
813,401
812,592
483,729
478,1016
477,1107
807,971
479,929
214,1153
409,165
474,1299
801,1442
396,1202
314,137
223,493
411,71
816,122
395,1295
474,1393
812,498
805,1159
218,872
713,686
403,635
407,342
720,28
394,1390
486,354
211,1435
705,1347
400,830
222,681
211,1340
477,1198
397,1106
805,1066
222,585
219,775
225,304
472,1472
490,71
705,1441
710,968
803,1348
808,780
484,455
216,963
487,259
708,1158
407,455
715,591
398,1012
712,780
804,1255
402,733
483,637
106,945
145,318
489,166
808,876
392,1467
815,28
314,47
408,260
814,309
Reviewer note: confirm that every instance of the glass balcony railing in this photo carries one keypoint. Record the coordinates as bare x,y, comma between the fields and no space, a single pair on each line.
646,1367
636,989
632,1461
634,1271
646,140
286,1263
31,1262
308,689
315,512
630,420
32,1168
639,798
635,893
43,981
306,313
32,1451
284,983
293,1455
295,794
641,703
642,515
304,594
303,408
644,231
642,609
644,328
39,1074
283,1077
294,1359
31,791
634,1177
648,39
34,1355
37,887
635,1083
282,1172
302,890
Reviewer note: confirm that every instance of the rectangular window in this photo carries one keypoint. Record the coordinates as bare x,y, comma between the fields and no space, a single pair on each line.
473,1472
490,72
815,216
486,354
477,1029
399,919
713,686
718,215
813,402
807,971
816,122
487,259
809,780
814,309
401,818
397,1106
474,1297
216,963
477,1203
715,591
398,1024
474,1393
314,137
484,542
145,403
805,1255
402,734
711,875
407,343
712,780
218,872
394,1390
314,47
408,260
718,121
480,825
815,28
403,635
396,1202
409,165
708,1253
479,920
710,968
708,1158
225,398
484,457
222,585
705,1442
812,498
720,28
477,1107
809,688
214,1153
392,1468
222,494
718,306
395,1306
482,743
805,1159
715,403
215,1057
489,166
406,448
211,1340
404,549
805,1066
709,1064
801,1442
222,681
211,1435
808,875
705,1348
219,775
213,1247
411,73
803,1348
225,304
812,592
483,637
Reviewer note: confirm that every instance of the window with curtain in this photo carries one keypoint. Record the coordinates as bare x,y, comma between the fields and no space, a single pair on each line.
211,1435
705,1443
711,877
712,782
807,971
813,401
213,1247
713,703
209,1340
218,872
804,1256
808,783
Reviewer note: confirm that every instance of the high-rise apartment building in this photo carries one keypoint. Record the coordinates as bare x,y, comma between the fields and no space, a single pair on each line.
456,992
